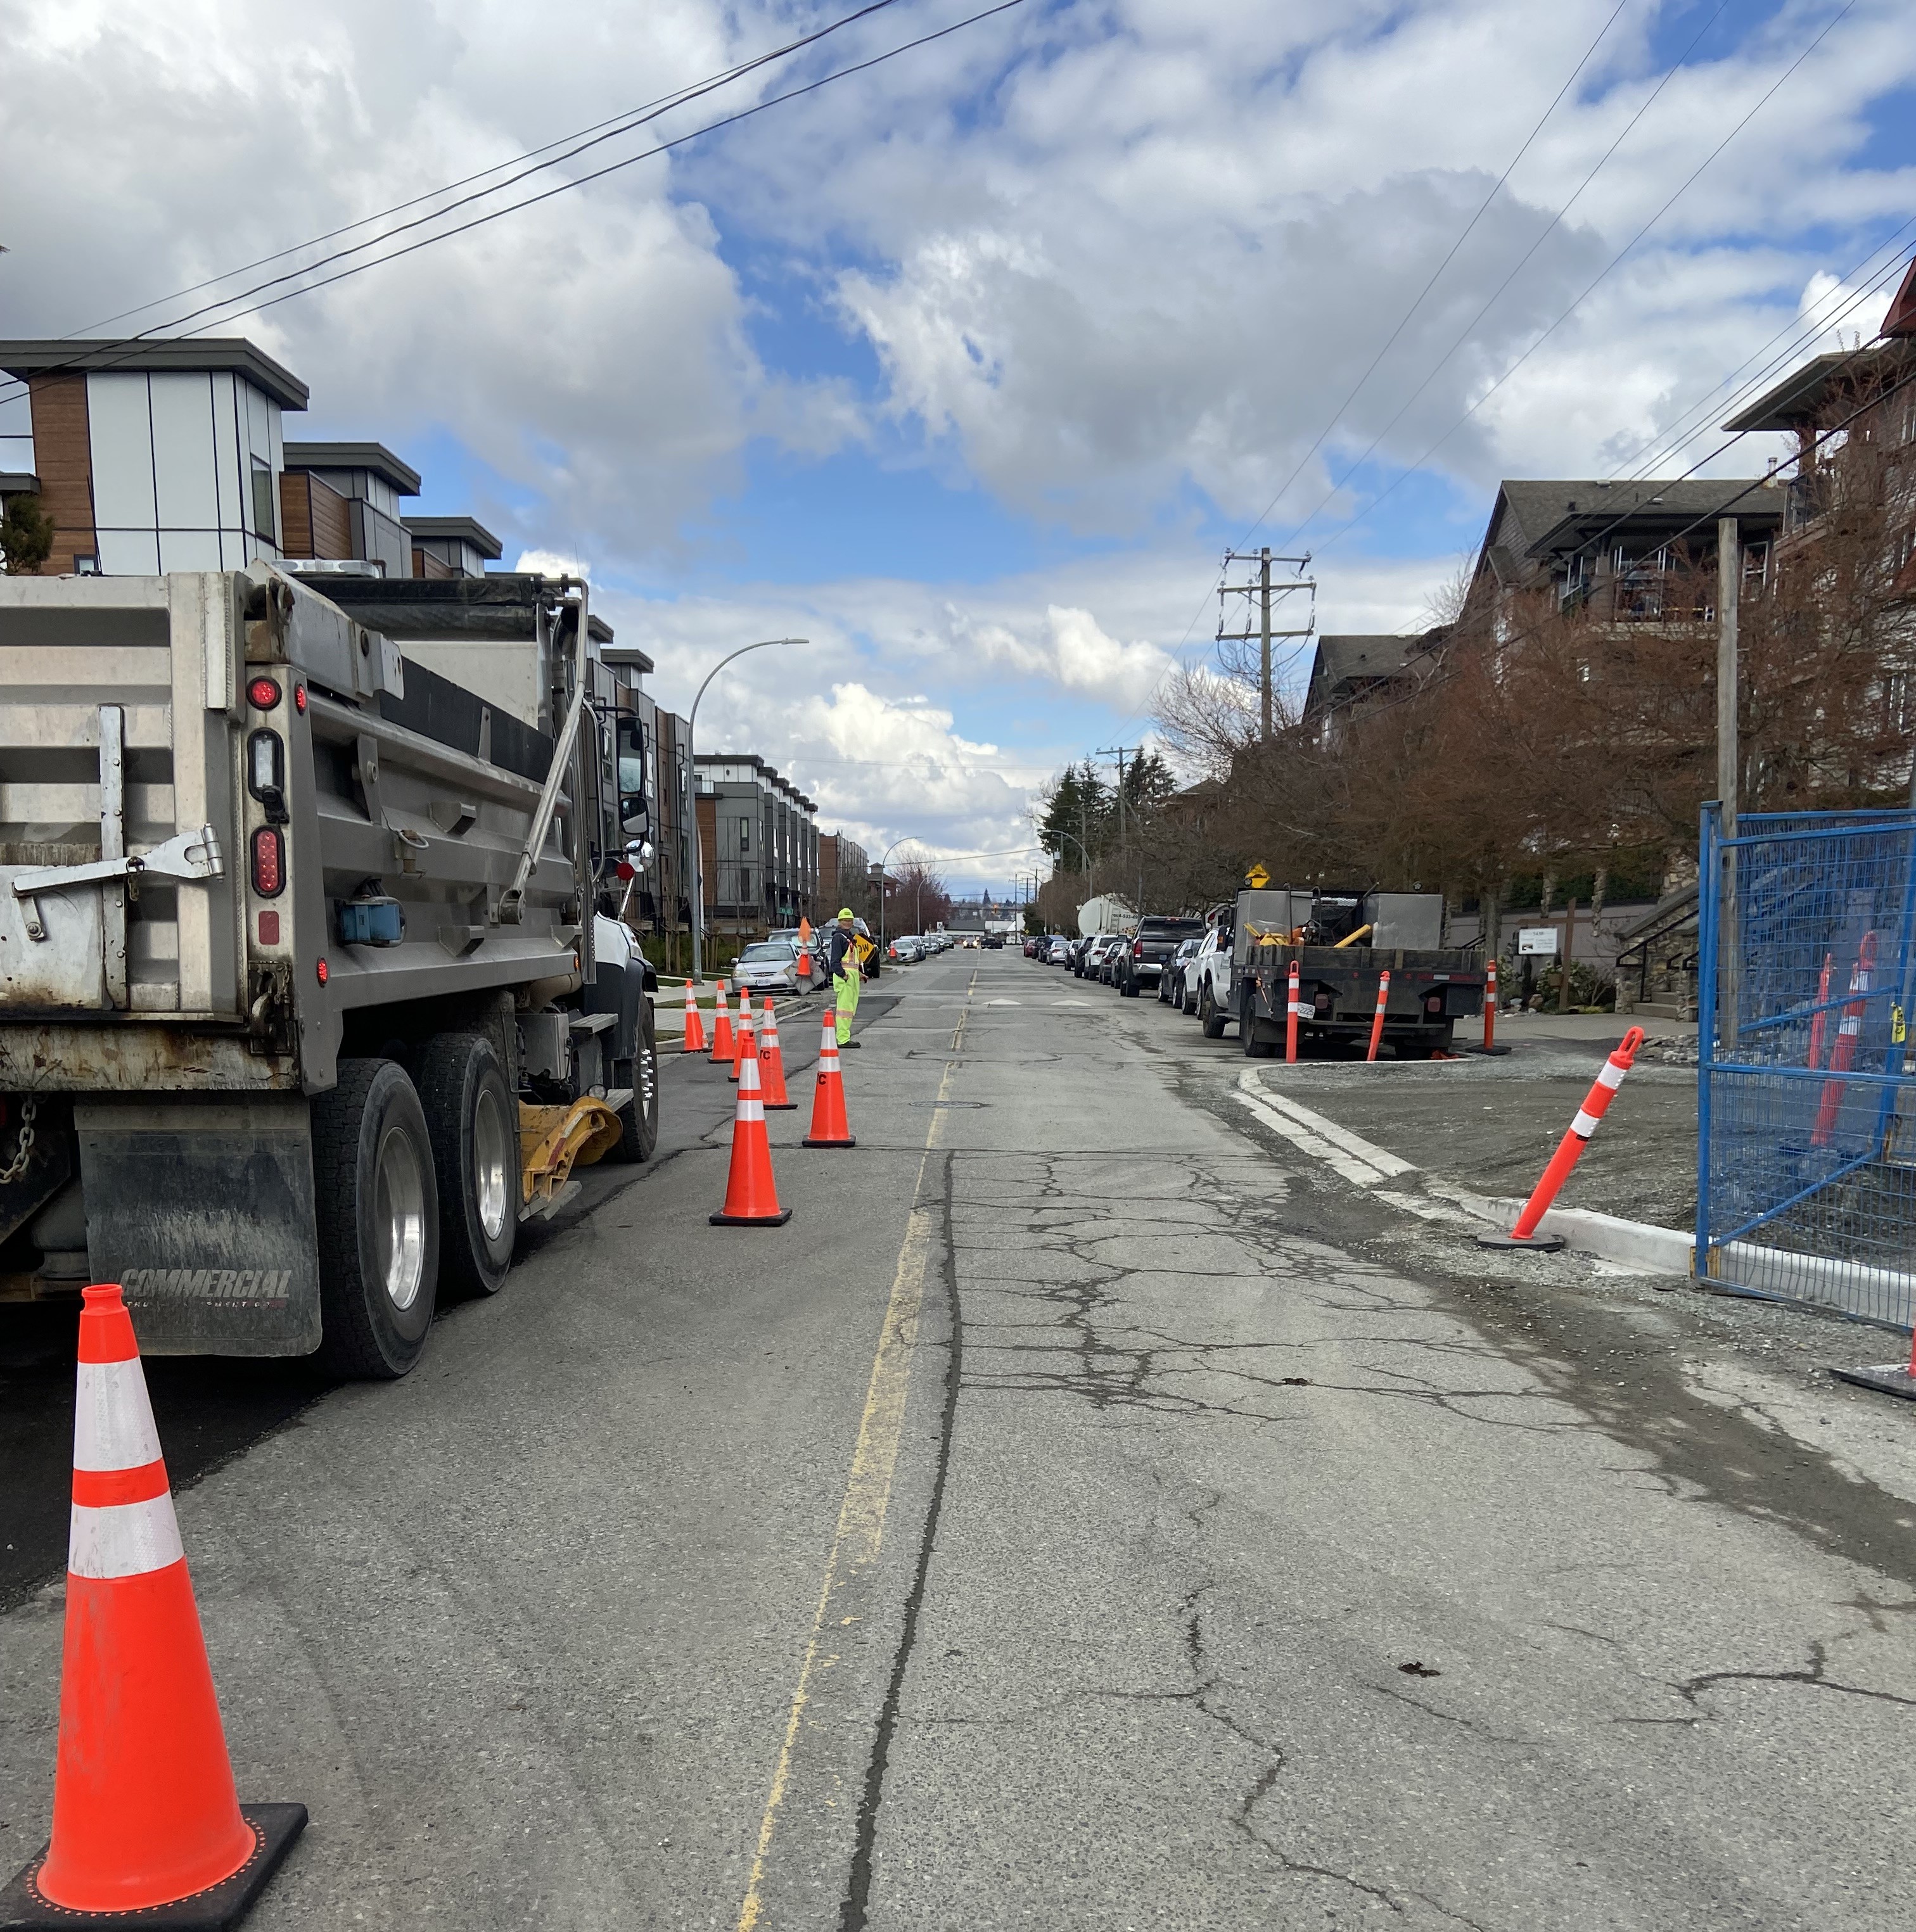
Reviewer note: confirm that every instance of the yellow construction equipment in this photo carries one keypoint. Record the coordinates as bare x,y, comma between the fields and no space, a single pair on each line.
554,1140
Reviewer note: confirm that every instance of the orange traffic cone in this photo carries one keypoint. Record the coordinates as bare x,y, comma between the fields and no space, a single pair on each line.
742,1033
695,1027
721,1039
771,1067
829,1128
144,1813
751,1200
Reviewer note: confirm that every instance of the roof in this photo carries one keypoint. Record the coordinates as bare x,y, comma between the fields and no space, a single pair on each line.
1901,319
1651,511
1800,400
626,657
163,356
460,530
373,456
1345,660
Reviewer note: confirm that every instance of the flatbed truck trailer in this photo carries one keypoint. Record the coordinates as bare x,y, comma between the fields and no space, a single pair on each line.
313,987
1432,986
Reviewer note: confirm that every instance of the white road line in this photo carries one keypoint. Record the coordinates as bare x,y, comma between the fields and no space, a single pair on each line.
1367,1151
1359,1172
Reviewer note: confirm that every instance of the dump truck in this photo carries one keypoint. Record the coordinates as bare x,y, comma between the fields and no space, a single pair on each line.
1342,942
312,985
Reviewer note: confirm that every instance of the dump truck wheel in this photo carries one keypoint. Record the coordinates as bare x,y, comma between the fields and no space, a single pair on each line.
472,1123
377,1221
639,1117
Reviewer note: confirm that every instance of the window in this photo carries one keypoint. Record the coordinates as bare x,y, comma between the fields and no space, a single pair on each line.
745,835
86,566
1755,566
266,511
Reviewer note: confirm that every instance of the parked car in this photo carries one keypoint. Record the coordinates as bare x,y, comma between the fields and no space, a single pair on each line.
1060,954
1208,981
1171,980
1140,963
771,966
908,949
1097,957
993,942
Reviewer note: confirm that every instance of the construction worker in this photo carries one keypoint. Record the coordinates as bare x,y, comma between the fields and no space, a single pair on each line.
843,961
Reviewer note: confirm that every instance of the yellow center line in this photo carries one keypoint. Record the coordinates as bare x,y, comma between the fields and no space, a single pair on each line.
868,1488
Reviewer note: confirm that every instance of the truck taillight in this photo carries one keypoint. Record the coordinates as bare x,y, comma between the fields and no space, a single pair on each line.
263,694
268,862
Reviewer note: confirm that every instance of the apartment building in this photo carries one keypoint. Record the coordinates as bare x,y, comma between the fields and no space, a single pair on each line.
759,836
149,456
845,876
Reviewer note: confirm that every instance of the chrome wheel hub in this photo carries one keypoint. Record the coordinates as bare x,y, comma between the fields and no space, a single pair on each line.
399,1217
492,1142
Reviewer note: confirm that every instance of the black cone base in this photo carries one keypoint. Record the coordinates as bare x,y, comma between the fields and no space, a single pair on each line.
1541,1244
1892,1378
23,1909
849,1141
722,1219
780,1106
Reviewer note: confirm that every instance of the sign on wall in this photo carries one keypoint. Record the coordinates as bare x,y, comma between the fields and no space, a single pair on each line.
1536,941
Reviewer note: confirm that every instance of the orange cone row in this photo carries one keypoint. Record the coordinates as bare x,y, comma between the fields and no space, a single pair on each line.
695,1027
145,1816
752,1198
722,1038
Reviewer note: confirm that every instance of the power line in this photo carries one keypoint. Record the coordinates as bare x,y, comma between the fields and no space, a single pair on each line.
623,122
577,181
1343,529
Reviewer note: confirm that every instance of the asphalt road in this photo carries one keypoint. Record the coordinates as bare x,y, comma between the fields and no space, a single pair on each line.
1086,1512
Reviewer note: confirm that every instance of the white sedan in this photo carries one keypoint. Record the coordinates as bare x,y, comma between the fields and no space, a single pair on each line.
771,966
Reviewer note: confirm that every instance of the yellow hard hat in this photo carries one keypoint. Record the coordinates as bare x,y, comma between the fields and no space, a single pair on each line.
845,912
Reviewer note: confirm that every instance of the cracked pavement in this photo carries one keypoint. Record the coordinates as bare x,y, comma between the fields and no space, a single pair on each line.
1251,1558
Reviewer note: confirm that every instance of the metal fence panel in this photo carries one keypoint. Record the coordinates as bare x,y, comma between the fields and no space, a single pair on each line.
1806,1098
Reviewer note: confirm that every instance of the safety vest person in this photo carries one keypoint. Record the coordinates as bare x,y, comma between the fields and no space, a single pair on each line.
846,976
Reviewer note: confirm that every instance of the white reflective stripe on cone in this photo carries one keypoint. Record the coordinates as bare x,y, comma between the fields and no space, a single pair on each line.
127,1540
112,1418
1583,1126
1611,1075
750,1110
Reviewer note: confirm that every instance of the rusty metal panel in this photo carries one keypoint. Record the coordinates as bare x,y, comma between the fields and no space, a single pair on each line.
117,1057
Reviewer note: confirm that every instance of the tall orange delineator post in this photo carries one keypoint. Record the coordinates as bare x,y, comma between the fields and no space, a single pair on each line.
830,1127
723,1047
145,1817
1849,1031
751,1200
695,1027
1489,1045
1377,1018
1569,1150
1296,1008
1816,1025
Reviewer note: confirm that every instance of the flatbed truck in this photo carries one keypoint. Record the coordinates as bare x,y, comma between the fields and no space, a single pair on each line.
1342,942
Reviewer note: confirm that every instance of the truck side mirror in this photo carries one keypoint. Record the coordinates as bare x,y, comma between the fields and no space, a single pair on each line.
631,763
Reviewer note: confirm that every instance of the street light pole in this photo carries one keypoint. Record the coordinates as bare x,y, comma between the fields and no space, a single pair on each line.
910,837
692,800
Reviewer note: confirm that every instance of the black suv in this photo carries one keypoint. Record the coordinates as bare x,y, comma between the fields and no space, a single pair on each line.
1142,963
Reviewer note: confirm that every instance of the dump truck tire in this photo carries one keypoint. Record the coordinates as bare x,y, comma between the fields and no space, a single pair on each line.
377,1220
472,1123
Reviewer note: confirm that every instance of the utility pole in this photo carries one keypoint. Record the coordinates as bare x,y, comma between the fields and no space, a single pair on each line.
1262,590
1729,589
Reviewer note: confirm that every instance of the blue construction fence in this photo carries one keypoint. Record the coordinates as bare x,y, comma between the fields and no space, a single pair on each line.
1806,1099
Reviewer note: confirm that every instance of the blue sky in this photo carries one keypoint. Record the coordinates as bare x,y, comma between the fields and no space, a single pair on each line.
968,368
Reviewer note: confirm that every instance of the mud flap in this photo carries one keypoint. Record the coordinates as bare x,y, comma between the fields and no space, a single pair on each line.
203,1211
